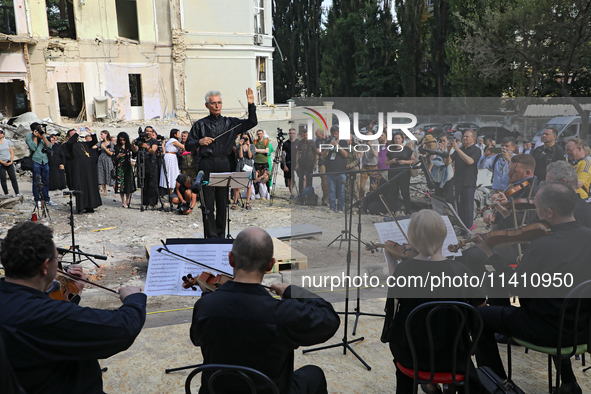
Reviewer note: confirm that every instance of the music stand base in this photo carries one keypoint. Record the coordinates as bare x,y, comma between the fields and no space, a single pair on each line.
345,345
169,370
358,313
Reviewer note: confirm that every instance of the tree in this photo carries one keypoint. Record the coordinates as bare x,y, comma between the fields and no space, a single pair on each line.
536,40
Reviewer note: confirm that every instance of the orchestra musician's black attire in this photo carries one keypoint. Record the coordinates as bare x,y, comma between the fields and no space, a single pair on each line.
475,258
57,177
10,384
394,331
566,250
268,332
583,212
54,345
216,157
152,175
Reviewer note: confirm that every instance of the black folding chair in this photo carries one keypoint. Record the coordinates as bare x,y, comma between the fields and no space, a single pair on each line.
244,373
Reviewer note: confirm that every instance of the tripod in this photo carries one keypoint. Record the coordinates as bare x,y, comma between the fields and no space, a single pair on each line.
277,160
77,253
346,234
160,154
40,206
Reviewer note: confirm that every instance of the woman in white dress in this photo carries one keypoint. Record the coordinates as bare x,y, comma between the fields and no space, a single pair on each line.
170,161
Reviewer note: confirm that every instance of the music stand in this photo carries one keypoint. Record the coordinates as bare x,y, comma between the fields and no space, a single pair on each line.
231,180
443,207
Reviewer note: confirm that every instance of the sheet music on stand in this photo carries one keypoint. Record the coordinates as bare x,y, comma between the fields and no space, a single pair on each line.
388,231
237,179
165,270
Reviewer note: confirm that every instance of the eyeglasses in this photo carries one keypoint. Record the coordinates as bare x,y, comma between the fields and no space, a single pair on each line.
215,103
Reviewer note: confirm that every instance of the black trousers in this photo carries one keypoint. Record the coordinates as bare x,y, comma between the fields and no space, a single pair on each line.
514,322
216,198
401,185
446,192
308,379
465,204
12,175
151,180
304,171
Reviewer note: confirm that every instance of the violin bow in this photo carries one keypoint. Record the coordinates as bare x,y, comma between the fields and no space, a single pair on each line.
159,250
393,217
77,279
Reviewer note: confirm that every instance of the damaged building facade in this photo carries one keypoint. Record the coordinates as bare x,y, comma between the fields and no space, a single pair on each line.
132,59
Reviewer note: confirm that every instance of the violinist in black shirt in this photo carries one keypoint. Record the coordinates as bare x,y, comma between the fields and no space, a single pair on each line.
242,324
53,345
565,251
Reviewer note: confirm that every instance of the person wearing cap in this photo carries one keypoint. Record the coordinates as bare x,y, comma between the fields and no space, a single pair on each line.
38,145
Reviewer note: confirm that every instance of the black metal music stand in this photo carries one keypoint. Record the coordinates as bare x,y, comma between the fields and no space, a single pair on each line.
230,180
77,252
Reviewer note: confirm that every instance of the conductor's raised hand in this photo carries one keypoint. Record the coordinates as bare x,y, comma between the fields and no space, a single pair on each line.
250,96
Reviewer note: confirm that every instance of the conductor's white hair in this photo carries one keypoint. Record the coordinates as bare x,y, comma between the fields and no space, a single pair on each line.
212,93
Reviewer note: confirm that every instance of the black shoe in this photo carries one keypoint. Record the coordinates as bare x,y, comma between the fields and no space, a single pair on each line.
426,389
89,210
569,388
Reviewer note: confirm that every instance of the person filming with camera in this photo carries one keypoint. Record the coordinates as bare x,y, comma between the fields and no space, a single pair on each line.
39,147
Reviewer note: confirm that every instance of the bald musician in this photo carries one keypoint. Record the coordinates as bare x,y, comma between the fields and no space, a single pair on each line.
53,346
242,324
566,250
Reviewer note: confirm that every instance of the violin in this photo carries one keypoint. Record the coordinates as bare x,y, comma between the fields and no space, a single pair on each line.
64,287
507,194
502,238
207,281
399,252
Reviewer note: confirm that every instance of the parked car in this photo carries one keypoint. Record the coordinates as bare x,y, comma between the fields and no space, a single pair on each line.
432,128
568,127
463,127
497,133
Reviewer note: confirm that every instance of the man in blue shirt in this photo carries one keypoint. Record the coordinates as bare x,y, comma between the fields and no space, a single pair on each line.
38,146
498,164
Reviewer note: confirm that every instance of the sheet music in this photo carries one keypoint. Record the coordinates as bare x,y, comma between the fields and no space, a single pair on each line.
389,231
220,179
165,271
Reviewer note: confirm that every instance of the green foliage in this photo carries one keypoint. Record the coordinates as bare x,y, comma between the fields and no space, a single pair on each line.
54,16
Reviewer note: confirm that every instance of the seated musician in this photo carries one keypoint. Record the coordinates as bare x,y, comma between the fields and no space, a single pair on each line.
53,345
242,324
563,171
566,250
426,233
521,170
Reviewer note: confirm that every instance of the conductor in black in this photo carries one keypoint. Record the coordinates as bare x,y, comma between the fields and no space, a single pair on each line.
214,135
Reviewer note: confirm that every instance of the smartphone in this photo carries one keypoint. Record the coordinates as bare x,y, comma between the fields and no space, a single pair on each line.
495,150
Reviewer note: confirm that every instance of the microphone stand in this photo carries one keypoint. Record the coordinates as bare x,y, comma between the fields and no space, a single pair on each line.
75,249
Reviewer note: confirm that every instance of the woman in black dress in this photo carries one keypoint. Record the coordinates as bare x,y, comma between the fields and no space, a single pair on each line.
82,171
401,158
124,183
57,161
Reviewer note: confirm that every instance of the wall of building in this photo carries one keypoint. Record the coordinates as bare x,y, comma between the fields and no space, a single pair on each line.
221,53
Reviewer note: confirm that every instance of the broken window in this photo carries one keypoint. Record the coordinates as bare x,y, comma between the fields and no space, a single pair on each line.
127,25
60,18
13,98
135,89
7,23
259,16
261,79
71,98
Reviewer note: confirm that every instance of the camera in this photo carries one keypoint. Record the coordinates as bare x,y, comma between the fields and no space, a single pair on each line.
47,151
280,134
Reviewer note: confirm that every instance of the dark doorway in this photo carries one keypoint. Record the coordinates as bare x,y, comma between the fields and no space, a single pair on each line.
60,18
71,97
135,89
13,99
